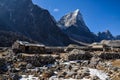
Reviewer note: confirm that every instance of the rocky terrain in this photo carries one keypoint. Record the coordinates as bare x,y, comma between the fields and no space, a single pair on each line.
73,65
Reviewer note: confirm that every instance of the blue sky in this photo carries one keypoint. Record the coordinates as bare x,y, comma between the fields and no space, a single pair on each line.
99,15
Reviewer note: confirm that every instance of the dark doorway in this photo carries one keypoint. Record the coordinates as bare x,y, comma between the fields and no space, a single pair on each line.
27,49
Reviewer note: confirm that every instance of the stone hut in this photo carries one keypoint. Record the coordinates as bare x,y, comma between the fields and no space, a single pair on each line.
26,47
113,44
98,47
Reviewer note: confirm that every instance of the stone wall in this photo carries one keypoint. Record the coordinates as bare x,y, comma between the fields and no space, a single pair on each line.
110,56
38,61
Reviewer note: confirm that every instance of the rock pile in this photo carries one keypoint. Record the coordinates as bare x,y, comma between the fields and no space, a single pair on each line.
94,62
107,56
79,55
38,61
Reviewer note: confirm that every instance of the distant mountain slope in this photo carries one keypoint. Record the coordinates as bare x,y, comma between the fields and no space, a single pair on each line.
117,37
74,26
7,38
24,17
106,35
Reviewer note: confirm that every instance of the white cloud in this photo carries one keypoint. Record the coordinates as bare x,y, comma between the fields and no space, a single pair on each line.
56,10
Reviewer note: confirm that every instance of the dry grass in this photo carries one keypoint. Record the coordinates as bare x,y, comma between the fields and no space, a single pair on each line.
116,62
101,68
116,78
3,53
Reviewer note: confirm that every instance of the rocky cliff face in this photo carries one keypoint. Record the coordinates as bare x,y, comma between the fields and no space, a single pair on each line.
106,35
74,26
7,38
24,17
117,37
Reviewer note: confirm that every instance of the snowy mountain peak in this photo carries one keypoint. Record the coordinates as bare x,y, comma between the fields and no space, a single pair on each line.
77,15
74,26
76,12
72,19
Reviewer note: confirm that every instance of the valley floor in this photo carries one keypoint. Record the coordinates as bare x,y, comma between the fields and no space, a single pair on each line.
23,66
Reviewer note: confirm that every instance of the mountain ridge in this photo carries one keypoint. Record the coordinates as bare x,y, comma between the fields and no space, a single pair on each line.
107,35
74,26
36,23
24,17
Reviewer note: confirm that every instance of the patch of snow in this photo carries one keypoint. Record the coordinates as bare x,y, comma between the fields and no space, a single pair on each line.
55,78
67,63
76,13
85,79
99,73
30,77
61,26
70,79
71,19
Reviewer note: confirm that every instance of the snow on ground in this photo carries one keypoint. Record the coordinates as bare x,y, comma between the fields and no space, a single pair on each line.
99,73
70,79
85,79
93,72
61,79
30,77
